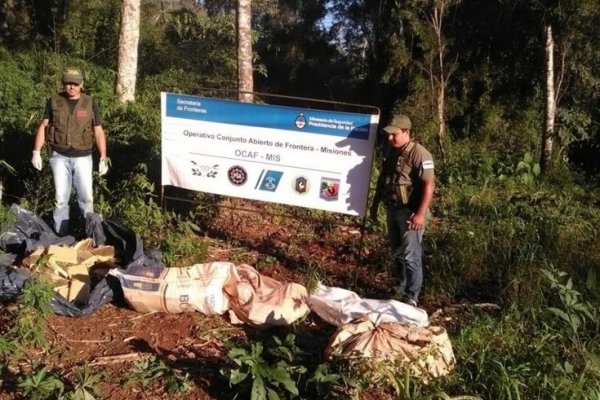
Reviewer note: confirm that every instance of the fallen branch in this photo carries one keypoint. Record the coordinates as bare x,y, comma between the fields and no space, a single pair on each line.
119,358
483,306
88,341
143,315
196,345
465,398
130,338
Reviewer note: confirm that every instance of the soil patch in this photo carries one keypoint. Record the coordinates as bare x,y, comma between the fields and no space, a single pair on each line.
289,249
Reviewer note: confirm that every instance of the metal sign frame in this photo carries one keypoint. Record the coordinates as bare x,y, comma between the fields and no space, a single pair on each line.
307,102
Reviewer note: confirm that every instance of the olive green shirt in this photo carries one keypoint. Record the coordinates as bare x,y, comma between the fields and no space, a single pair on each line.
406,167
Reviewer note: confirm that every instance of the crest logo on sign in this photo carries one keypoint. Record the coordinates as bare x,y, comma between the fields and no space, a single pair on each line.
330,189
300,121
301,185
269,180
207,171
237,175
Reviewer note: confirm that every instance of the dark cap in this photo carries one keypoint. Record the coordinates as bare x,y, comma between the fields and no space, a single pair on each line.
398,122
72,74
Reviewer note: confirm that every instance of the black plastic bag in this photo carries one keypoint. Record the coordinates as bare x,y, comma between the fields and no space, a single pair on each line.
124,240
150,265
103,293
29,233
94,228
12,281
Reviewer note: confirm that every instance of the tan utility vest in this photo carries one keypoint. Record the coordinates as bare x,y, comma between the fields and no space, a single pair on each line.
71,131
396,192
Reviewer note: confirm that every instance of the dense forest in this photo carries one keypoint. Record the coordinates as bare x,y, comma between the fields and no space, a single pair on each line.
505,94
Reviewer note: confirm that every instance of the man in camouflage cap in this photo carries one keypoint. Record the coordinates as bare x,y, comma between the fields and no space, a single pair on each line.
71,126
406,184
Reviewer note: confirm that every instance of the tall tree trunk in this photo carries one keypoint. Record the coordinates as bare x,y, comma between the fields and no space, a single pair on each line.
550,110
439,78
129,37
244,25
441,111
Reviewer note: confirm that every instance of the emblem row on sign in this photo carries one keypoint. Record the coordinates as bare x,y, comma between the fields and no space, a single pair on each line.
269,180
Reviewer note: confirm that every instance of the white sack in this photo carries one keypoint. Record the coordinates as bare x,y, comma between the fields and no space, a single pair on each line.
339,306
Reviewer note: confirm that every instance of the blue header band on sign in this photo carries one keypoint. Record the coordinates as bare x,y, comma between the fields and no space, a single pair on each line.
348,125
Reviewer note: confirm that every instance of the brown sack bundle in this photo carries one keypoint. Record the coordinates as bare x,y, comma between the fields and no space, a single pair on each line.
426,352
262,301
196,288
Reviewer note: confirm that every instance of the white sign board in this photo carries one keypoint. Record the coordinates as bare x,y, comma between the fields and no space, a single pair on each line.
301,157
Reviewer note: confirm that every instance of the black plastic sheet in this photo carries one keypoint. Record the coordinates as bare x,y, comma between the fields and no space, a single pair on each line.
12,281
29,233
128,246
103,293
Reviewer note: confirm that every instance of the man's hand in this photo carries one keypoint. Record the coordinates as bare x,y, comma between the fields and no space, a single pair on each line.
36,160
103,166
416,222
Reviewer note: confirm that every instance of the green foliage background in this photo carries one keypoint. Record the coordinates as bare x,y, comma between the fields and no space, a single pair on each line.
500,231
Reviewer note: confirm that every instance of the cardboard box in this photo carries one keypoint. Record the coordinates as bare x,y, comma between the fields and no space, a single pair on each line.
32,258
69,267
79,288
54,279
79,291
105,252
67,255
63,290
83,245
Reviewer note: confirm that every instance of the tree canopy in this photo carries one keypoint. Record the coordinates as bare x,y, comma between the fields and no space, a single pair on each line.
378,52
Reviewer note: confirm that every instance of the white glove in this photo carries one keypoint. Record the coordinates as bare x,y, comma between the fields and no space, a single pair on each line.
102,167
36,160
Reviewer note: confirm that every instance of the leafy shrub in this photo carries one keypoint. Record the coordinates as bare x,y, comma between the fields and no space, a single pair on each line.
257,377
495,235
91,31
132,202
6,346
572,310
19,95
41,385
280,369
38,193
32,317
7,218
148,372
513,356
134,138
86,385
181,247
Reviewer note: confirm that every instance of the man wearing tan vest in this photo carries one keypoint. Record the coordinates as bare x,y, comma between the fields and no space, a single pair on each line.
406,184
71,124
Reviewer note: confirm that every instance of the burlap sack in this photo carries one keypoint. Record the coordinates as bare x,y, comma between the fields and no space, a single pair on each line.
176,290
427,352
262,301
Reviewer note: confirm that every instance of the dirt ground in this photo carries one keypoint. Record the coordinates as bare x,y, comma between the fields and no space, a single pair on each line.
288,249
